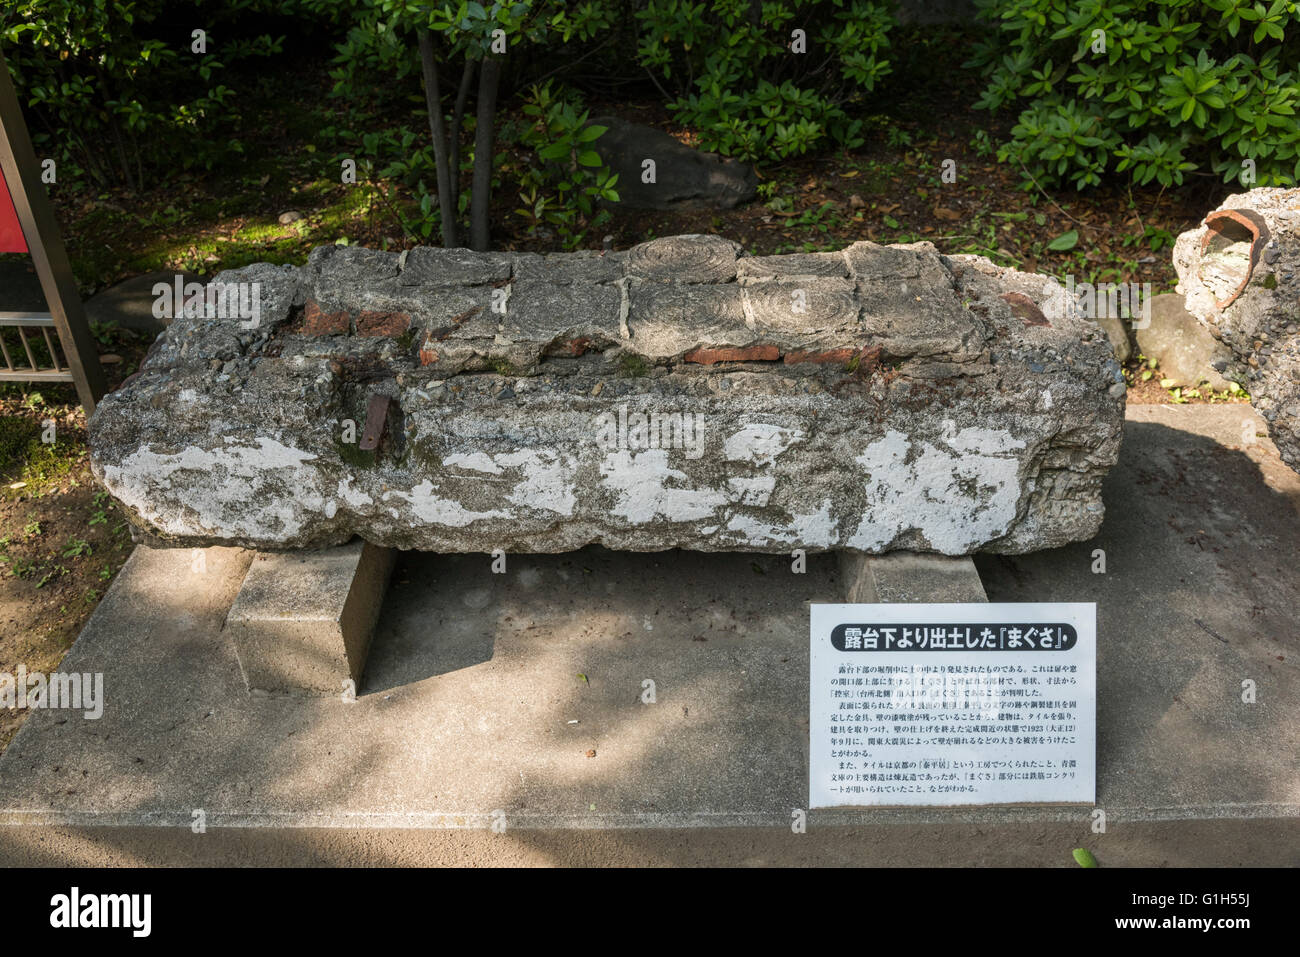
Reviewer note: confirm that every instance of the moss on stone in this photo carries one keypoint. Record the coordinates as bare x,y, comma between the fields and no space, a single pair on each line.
353,455
632,366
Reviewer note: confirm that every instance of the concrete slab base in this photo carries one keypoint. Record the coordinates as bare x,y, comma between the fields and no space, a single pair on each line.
909,577
521,699
1183,843
302,621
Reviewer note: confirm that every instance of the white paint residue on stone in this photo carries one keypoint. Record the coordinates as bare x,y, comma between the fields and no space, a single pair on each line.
547,483
476,461
432,508
234,491
752,491
760,443
983,441
747,308
243,460
813,529
955,500
640,480
354,497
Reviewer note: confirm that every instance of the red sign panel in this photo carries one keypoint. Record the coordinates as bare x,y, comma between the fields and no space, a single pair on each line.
11,234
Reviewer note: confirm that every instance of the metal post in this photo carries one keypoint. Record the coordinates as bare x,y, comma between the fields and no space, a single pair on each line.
36,216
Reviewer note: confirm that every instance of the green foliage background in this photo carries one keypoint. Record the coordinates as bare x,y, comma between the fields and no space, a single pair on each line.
116,89
1181,85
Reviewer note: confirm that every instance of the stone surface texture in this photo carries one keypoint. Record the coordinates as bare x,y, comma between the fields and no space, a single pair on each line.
906,577
1261,326
873,399
1183,348
302,621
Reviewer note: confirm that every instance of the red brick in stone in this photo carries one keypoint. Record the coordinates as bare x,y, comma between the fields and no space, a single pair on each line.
747,354
371,323
316,322
428,355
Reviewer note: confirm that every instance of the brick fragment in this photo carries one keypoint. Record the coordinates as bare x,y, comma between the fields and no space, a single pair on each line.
372,323
428,354
709,357
317,322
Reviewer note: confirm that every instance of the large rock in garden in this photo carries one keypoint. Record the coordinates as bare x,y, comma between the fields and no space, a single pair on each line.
131,303
1183,348
676,395
1239,274
682,176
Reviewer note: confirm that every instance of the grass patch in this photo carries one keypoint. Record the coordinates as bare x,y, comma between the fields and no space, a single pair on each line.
49,463
16,434
632,366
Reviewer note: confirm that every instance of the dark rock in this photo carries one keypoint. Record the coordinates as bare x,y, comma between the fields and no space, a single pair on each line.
131,302
683,176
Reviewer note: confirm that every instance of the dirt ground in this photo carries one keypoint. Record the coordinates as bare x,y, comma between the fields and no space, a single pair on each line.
62,539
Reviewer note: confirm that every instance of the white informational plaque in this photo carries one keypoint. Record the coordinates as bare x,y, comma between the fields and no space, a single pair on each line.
948,704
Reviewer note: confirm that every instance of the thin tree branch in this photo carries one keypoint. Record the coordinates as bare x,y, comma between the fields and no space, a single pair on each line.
480,199
457,120
447,201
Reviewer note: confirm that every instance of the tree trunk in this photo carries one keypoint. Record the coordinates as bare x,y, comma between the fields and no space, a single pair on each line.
480,199
447,200
457,118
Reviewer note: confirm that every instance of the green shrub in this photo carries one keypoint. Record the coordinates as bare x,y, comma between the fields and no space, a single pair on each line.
740,84
115,86
1152,89
440,47
562,190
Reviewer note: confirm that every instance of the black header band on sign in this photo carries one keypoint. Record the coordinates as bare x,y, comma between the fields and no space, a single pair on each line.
985,636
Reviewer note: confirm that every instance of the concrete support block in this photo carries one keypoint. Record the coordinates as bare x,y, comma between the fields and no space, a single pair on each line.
909,577
303,621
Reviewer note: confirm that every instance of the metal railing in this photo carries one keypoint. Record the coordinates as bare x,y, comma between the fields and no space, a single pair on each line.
35,371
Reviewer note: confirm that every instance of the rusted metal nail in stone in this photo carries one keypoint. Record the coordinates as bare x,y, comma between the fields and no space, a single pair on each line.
376,416
1217,223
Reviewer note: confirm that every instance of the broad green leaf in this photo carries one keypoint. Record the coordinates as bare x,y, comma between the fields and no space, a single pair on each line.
1065,241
